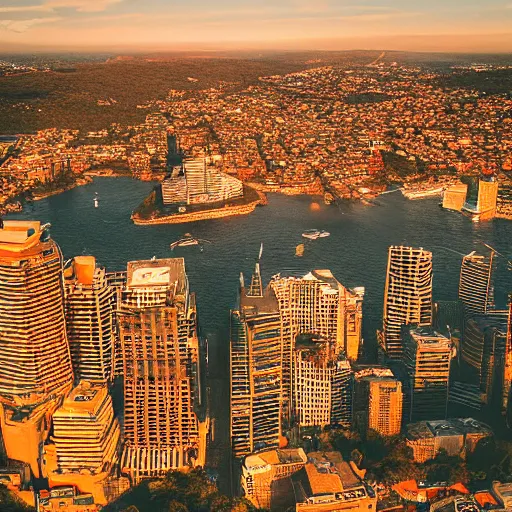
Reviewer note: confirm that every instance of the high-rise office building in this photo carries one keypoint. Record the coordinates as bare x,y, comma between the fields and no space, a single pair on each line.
35,362
484,348
90,305
481,198
321,389
163,427
319,306
255,369
85,441
475,285
407,295
378,401
427,356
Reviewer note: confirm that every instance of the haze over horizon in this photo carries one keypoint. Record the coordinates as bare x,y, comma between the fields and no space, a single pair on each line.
156,25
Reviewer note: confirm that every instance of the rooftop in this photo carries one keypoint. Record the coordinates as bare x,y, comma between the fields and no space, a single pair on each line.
163,273
84,400
251,305
427,336
450,427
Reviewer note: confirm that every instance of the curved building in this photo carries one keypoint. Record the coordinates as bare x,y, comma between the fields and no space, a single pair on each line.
35,362
475,285
407,296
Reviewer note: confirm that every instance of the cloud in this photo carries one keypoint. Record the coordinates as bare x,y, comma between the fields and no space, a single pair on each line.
23,25
52,5
81,5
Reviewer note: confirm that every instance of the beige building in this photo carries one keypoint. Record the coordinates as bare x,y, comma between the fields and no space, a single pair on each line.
454,197
90,307
265,477
456,436
85,441
256,351
318,307
329,484
378,401
407,295
427,357
157,322
481,200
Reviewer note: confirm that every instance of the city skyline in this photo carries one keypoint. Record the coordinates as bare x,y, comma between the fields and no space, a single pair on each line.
124,25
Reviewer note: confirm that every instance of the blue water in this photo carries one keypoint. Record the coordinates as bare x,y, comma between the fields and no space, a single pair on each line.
356,251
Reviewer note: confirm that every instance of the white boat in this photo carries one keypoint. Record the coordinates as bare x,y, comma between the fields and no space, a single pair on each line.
187,240
313,234
96,202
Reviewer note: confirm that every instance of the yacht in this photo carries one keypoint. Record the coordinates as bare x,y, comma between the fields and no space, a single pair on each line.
187,240
313,234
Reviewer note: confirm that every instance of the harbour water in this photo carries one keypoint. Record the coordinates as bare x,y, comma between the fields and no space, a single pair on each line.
356,251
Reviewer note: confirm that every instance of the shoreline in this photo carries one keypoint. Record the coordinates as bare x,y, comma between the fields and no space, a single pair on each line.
78,183
214,213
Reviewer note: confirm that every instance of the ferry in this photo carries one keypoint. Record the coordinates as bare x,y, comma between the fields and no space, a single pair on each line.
313,234
187,240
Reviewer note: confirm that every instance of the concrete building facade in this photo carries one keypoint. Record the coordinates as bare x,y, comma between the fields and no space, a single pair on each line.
256,351
161,367
35,362
407,295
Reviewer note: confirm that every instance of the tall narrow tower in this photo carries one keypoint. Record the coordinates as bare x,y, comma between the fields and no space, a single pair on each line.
475,285
256,369
407,295
90,304
161,366
35,363
427,356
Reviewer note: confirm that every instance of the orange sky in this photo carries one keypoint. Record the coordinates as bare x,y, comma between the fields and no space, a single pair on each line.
435,25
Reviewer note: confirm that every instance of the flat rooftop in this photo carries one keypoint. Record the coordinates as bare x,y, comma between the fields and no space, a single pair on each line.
258,305
18,231
84,400
450,427
426,336
162,273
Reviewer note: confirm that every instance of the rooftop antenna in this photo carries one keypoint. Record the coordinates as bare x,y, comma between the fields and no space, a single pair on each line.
256,288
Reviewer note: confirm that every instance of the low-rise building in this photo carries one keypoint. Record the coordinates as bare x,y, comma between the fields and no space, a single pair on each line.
327,484
456,436
265,476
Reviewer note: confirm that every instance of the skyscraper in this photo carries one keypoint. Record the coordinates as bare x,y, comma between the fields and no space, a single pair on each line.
161,367
35,362
427,356
319,306
255,369
90,304
475,285
407,295
378,401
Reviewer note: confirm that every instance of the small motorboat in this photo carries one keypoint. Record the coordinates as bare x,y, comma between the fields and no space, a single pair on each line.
96,203
187,240
313,234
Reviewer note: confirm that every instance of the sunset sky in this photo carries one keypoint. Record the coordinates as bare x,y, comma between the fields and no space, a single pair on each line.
430,25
